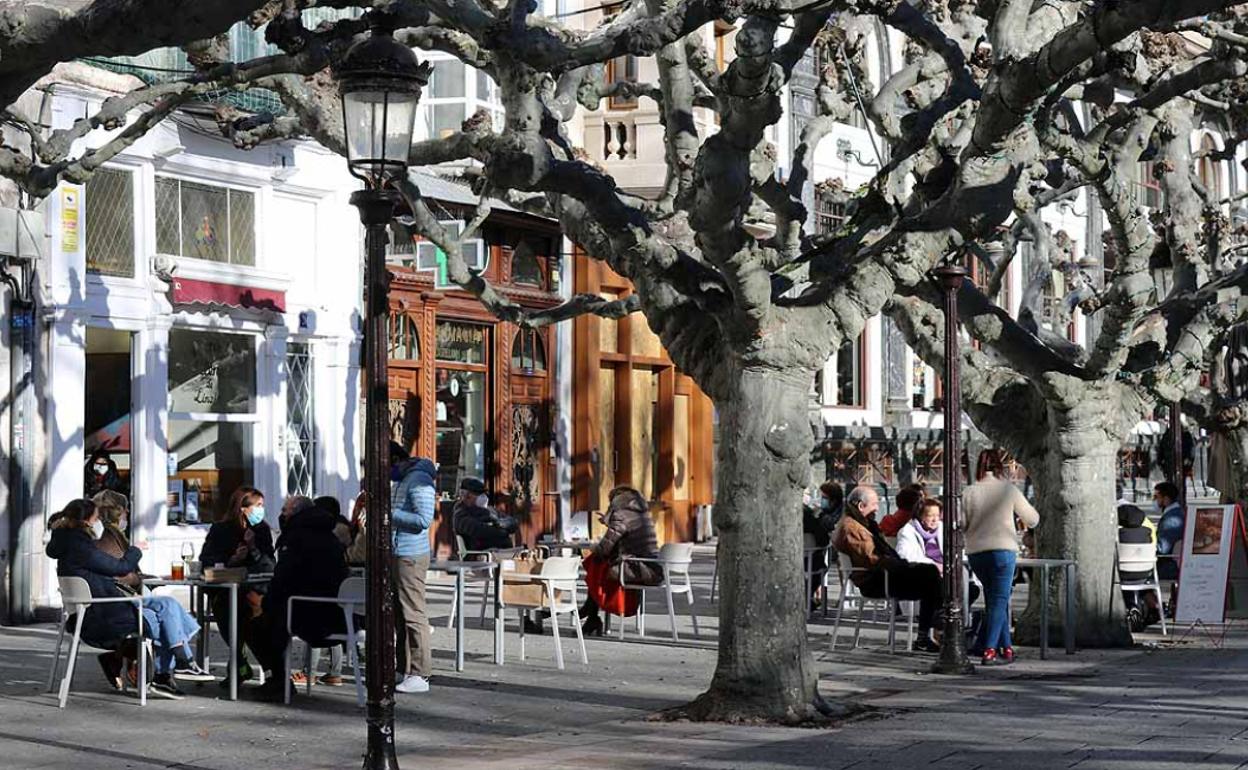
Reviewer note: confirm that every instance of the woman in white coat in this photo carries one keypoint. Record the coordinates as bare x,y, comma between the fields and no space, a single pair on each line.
921,539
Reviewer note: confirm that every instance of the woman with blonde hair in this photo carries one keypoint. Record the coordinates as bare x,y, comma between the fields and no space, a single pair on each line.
114,511
165,622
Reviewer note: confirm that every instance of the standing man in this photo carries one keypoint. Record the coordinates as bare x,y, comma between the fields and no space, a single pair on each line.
412,508
1170,529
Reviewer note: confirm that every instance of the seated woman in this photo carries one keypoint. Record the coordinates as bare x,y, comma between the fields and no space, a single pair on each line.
922,541
239,537
630,532
74,535
311,562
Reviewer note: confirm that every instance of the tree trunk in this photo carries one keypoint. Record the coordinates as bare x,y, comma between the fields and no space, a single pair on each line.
1074,475
765,670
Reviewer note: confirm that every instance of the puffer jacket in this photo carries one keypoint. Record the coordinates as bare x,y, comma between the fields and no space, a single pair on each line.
630,532
76,556
310,562
412,507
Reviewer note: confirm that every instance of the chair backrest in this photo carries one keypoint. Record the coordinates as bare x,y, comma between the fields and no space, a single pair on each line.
564,570
352,589
74,591
1137,557
844,562
676,557
460,546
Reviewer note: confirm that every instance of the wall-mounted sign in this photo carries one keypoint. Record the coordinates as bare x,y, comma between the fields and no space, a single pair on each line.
69,218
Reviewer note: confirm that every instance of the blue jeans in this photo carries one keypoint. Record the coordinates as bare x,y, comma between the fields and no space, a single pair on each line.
169,626
995,569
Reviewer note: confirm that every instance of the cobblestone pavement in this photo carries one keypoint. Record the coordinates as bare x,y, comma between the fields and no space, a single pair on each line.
1181,704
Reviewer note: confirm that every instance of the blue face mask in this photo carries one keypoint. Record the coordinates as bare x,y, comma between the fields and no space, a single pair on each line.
256,516
825,503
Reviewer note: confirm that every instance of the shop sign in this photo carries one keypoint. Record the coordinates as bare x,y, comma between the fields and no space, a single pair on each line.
461,342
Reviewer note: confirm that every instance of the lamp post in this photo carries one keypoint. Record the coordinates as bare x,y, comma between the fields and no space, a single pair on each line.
952,658
380,82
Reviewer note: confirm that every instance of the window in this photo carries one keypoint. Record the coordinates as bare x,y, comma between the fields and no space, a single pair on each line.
455,92
622,69
461,342
528,355
301,436
430,258
723,40
1207,170
830,213
212,415
110,223
404,337
207,222
1148,187
850,387
920,398
525,268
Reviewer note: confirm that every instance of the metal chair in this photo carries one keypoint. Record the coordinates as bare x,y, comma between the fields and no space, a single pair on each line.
350,595
850,595
76,600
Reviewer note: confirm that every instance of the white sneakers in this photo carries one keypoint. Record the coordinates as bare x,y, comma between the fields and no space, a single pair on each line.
412,683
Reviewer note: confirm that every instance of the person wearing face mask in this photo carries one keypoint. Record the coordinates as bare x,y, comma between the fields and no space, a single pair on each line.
240,537
75,532
480,526
101,473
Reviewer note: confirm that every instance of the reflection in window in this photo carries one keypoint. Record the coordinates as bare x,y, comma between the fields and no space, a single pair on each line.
203,221
527,353
110,222
211,372
850,390
404,337
461,342
461,425
524,266
213,459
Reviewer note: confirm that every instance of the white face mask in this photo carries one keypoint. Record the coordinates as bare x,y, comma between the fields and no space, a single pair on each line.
101,468
483,501
123,524
97,529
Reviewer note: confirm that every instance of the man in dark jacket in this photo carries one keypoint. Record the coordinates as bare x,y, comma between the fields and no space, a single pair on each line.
479,526
311,562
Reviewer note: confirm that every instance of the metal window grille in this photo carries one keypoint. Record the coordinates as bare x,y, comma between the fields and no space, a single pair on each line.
301,438
110,222
202,221
830,214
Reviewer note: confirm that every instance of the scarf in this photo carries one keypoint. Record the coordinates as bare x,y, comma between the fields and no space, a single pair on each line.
931,546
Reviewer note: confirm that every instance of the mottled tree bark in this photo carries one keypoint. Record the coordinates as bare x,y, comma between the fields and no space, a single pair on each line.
765,670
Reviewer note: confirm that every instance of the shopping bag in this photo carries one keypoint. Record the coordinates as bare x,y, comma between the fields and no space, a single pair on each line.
519,592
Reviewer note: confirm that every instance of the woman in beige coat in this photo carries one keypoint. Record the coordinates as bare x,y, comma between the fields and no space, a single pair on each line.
991,505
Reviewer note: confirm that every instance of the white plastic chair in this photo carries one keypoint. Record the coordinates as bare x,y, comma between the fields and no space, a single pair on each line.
76,599
559,575
675,559
350,596
851,596
1140,557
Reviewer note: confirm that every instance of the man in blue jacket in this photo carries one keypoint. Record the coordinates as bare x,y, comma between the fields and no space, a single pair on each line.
412,508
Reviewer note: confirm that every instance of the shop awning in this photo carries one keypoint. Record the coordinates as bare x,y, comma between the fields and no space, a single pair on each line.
188,291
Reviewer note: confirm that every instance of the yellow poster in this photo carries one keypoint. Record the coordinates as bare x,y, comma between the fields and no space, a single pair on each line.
69,219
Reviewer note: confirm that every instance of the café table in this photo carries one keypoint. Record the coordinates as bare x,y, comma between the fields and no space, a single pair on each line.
198,587
1072,573
571,545
459,569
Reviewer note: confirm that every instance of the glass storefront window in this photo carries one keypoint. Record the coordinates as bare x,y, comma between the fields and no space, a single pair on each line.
211,372
212,405
461,343
461,428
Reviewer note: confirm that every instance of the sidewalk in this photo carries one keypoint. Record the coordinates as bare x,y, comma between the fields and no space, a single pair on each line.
1173,707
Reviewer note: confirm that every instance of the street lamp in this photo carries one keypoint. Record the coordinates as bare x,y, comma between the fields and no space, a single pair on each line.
952,658
380,82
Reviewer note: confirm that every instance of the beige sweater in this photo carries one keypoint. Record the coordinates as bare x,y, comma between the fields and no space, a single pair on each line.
989,508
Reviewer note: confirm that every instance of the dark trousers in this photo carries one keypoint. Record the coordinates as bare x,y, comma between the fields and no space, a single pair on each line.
910,582
220,603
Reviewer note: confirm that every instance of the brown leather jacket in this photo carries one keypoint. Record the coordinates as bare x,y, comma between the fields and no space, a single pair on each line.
630,532
867,550
113,542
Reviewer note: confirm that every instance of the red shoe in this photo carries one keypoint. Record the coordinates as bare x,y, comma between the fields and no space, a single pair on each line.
1007,656
990,658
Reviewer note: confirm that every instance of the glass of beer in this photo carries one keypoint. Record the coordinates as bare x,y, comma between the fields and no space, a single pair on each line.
177,570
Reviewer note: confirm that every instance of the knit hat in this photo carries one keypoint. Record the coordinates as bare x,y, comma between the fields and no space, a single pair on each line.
473,485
